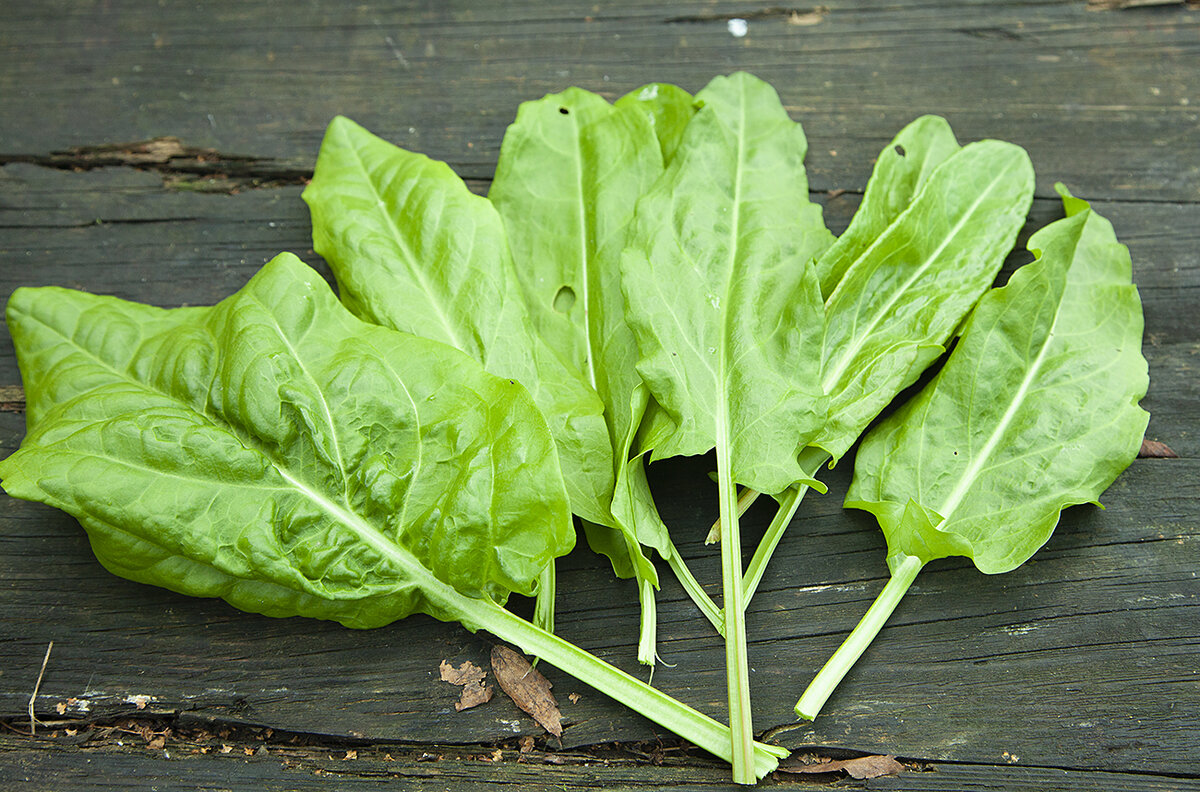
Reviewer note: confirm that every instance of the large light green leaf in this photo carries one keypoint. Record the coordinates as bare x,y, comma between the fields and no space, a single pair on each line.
1036,410
721,290
907,283
277,452
571,170
413,249
722,295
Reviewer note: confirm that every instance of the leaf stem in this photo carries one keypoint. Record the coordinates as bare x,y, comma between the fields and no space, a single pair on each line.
695,590
811,460
745,500
737,666
648,637
591,670
822,686
543,607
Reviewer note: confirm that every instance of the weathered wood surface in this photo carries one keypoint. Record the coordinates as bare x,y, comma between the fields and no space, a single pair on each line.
1082,668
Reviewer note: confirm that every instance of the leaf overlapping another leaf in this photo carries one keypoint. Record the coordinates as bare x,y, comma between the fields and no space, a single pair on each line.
274,451
720,287
414,250
1036,410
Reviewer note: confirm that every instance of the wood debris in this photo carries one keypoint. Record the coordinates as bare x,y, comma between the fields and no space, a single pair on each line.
1153,449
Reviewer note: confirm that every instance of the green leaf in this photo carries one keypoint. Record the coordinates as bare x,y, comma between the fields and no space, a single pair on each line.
571,170
414,250
911,282
900,173
1036,410
720,287
722,296
277,452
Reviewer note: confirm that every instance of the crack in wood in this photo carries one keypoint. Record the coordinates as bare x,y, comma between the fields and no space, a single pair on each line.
182,167
773,12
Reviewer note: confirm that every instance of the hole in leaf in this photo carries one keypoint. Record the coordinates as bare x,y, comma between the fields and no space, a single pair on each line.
564,300
564,111
900,150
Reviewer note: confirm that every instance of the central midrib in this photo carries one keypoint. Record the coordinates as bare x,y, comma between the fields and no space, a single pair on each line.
977,462
584,259
731,268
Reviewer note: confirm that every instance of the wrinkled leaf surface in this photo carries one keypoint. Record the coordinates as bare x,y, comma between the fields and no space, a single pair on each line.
277,452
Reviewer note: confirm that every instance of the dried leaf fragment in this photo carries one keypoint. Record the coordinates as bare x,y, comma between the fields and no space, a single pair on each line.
470,677
860,768
528,689
1153,449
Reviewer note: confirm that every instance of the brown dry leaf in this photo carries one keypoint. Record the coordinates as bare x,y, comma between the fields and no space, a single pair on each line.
158,743
526,744
526,686
574,698
351,754
859,768
471,677
1153,449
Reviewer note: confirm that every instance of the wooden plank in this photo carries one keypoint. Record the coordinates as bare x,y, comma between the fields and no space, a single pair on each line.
1104,101
1104,615
389,695
68,765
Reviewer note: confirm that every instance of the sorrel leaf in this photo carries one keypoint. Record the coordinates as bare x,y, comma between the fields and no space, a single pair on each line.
414,250
900,172
275,451
927,241
720,288
1036,410
723,298
908,288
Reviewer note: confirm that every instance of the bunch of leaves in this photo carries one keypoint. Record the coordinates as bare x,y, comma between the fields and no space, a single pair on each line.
646,279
